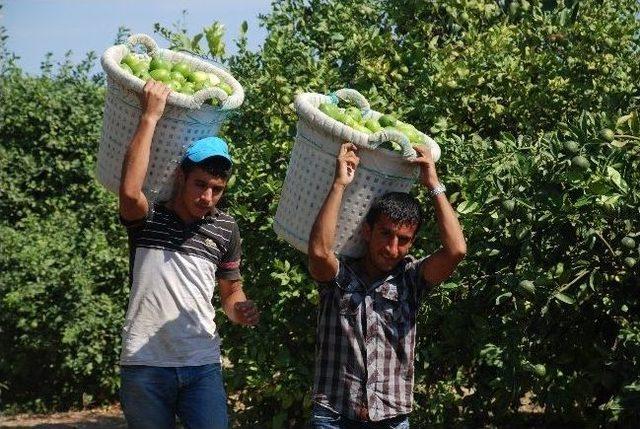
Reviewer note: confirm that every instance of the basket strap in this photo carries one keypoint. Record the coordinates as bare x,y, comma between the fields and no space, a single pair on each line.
142,39
204,94
353,96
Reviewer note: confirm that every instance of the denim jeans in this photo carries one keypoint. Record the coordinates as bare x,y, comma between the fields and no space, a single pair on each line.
324,418
152,396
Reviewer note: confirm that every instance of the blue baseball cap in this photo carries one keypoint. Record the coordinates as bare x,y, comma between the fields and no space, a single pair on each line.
207,147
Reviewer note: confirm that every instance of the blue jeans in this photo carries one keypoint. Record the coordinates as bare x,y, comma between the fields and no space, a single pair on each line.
152,396
324,418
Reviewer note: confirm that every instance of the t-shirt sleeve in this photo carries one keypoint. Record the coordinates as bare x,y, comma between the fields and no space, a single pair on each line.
229,266
137,224
413,273
341,279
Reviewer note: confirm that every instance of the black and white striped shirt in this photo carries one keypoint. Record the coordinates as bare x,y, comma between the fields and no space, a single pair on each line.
173,272
365,341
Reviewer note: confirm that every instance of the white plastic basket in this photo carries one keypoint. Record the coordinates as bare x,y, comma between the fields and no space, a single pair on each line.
312,165
185,118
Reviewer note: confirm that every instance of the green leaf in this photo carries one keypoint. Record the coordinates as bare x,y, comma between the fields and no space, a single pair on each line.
564,298
467,207
617,179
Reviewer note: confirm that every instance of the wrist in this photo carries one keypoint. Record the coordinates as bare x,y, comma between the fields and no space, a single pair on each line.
338,186
149,119
430,180
436,190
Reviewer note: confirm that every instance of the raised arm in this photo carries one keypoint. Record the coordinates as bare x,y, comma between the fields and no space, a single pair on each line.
323,264
440,265
133,203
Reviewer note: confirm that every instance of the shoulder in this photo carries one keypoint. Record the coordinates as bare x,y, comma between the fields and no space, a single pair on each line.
223,218
410,262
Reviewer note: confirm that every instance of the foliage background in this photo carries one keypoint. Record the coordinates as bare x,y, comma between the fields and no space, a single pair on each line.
545,306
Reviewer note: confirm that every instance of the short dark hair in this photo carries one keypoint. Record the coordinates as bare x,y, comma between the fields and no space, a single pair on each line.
217,166
400,207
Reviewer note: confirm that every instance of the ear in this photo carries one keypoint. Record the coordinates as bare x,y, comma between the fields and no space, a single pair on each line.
366,232
179,176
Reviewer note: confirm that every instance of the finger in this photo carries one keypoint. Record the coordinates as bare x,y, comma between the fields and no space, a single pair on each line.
250,314
241,305
420,149
350,156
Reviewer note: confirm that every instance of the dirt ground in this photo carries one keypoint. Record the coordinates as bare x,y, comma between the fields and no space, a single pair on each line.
100,418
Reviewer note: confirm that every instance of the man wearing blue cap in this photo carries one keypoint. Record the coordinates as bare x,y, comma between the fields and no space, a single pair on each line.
179,251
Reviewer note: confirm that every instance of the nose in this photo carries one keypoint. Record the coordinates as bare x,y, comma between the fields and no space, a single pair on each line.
392,247
207,196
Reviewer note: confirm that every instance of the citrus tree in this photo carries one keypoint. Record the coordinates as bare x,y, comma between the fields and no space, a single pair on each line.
533,104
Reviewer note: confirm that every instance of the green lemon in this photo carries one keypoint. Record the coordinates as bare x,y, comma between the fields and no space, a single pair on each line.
348,120
329,109
630,262
362,128
540,369
138,67
628,242
202,85
226,87
571,147
509,205
580,162
174,85
387,121
355,113
125,67
144,76
198,76
177,76
607,134
130,60
183,68
157,62
161,75
373,125
340,116
187,88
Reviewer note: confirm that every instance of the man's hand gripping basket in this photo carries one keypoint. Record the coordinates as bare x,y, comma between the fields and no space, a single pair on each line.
186,118
312,165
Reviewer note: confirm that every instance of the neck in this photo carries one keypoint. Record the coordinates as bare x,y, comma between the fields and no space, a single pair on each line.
180,210
372,272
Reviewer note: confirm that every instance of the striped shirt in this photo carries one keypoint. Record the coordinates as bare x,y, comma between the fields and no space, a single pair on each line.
365,341
173,271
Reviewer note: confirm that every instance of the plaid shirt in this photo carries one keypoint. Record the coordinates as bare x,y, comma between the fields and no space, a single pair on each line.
365,341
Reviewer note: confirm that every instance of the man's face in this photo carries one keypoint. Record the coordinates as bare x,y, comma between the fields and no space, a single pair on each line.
388,242
200,192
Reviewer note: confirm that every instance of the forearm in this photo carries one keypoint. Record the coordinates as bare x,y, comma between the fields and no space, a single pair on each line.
229,301
451,236
136,159
322,235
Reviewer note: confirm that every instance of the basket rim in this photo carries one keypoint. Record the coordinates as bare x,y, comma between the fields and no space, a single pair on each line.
112,56
306,107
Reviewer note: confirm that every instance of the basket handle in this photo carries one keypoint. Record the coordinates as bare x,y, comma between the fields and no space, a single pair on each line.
213,92
353,96
386,135
142,39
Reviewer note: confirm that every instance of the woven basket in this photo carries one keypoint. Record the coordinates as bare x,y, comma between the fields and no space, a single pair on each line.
312,165
185,118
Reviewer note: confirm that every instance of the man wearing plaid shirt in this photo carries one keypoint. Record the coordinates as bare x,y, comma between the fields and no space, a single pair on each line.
368,306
